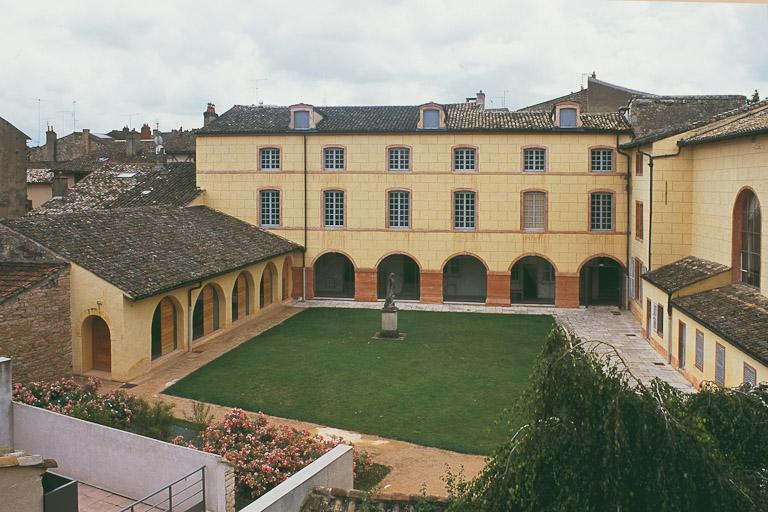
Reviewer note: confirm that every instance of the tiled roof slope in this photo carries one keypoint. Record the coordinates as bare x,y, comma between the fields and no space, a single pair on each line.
144,251
372,119
127,185
39,175
684,272
15,277
746,122
738,313
547,106
327,499
655,118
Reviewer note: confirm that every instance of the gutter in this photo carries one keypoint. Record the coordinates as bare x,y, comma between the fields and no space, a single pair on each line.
304,252
629,215
190,314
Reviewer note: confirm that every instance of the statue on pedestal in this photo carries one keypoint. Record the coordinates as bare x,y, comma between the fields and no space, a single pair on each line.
389,300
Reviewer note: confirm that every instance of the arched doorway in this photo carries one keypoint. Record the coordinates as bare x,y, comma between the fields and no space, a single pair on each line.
97,332
164,328
532,281
287,278
600,282
406,277
464,280
747,234
241,297
267,285
334,276
207,312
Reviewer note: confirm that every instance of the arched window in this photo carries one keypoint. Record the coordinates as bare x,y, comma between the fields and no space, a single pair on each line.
164,328
747,234
241,297
205,316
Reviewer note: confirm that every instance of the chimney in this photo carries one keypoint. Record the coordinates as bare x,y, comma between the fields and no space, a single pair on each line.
210,114
480,98
146,132
50,145
132,144
60,186
86,138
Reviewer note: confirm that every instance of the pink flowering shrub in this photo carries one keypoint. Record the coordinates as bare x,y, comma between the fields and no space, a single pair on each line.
116,409
264,454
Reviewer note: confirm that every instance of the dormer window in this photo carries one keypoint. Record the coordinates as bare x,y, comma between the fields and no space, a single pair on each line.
431,119
567,115
301,120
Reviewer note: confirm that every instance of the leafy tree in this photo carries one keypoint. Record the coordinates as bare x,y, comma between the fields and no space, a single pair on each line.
755,97
597,439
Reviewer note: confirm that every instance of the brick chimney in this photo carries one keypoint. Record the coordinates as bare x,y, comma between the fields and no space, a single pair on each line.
86,138
50,145
132,143
210,114
480,98
146,132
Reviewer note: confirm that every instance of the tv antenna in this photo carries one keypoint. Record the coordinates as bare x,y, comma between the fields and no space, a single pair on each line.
130,118
255,85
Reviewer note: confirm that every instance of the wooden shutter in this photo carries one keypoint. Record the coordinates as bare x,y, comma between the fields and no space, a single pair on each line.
639,164
207,309
167,326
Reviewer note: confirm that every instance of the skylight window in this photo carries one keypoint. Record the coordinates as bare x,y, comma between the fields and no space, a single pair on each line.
127,174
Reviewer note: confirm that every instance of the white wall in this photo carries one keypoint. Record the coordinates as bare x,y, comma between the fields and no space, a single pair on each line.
334,469
118,461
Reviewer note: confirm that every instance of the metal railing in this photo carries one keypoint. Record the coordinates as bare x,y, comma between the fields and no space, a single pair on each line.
187,494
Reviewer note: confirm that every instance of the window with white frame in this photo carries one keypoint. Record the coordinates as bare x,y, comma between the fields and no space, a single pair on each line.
602,160
301,120
750,375
269,159
464,210
534,160
431,119
568,118
699,360
534,211
333,159
601,213
399,159
399,215
654,316
333,208
269,206
719,364
464,159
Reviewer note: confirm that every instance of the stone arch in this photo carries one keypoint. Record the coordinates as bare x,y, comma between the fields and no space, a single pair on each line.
465,279
746,237
287,278
241,301
532,280
334,276
166,327
97,344
267,288
208,313
601,281
407,276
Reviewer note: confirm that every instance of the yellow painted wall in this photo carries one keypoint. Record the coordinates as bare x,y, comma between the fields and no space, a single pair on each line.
228,172
130,322
658,296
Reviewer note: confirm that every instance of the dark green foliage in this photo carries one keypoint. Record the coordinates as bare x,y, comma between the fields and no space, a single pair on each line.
755,97
372,477
597,440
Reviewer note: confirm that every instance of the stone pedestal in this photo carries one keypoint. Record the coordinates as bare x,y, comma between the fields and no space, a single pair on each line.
389,324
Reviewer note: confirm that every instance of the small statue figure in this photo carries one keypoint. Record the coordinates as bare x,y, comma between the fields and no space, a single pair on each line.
389,301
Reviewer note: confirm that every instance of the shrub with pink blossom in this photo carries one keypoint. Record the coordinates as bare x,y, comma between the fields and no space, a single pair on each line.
264,454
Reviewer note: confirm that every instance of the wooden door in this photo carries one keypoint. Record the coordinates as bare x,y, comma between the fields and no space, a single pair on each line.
101,345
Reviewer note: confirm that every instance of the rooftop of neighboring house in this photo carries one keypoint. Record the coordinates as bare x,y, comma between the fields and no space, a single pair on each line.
125,185
16,277
683,272
738,313
387,119
3,122
176,141
598,96
744,122
70,146
147,250
659,117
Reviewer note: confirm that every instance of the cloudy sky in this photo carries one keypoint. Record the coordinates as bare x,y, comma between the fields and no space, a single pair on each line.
163,61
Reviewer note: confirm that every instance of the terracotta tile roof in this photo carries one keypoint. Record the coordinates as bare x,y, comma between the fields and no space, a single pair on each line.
366,119
39,175
15,277
746,122
144,251
738,313
126,185
655,118
327,499
684,272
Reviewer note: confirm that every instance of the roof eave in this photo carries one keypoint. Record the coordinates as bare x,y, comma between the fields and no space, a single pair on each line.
720,138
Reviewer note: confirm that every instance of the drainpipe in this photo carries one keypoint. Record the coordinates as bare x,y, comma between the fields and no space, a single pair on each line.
629,217
669,330
304,252
190,314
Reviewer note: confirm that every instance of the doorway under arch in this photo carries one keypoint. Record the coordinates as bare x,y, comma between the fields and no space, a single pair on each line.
241,297
164,328
334,276
287,278
100,340
406,277
267,285
206,317
464,280
532,281
600,282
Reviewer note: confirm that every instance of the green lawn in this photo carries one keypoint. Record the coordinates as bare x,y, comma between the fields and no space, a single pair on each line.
445,385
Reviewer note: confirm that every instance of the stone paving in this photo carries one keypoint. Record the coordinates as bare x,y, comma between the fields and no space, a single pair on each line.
597,323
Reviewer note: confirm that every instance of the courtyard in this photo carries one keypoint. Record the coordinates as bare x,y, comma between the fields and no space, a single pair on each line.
446,385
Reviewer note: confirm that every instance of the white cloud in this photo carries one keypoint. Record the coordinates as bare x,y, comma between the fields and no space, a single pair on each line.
165,60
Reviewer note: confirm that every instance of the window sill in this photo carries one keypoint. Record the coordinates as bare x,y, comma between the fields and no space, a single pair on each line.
270,170
464,230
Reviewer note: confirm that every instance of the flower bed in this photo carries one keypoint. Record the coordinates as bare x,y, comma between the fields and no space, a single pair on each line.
264,454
